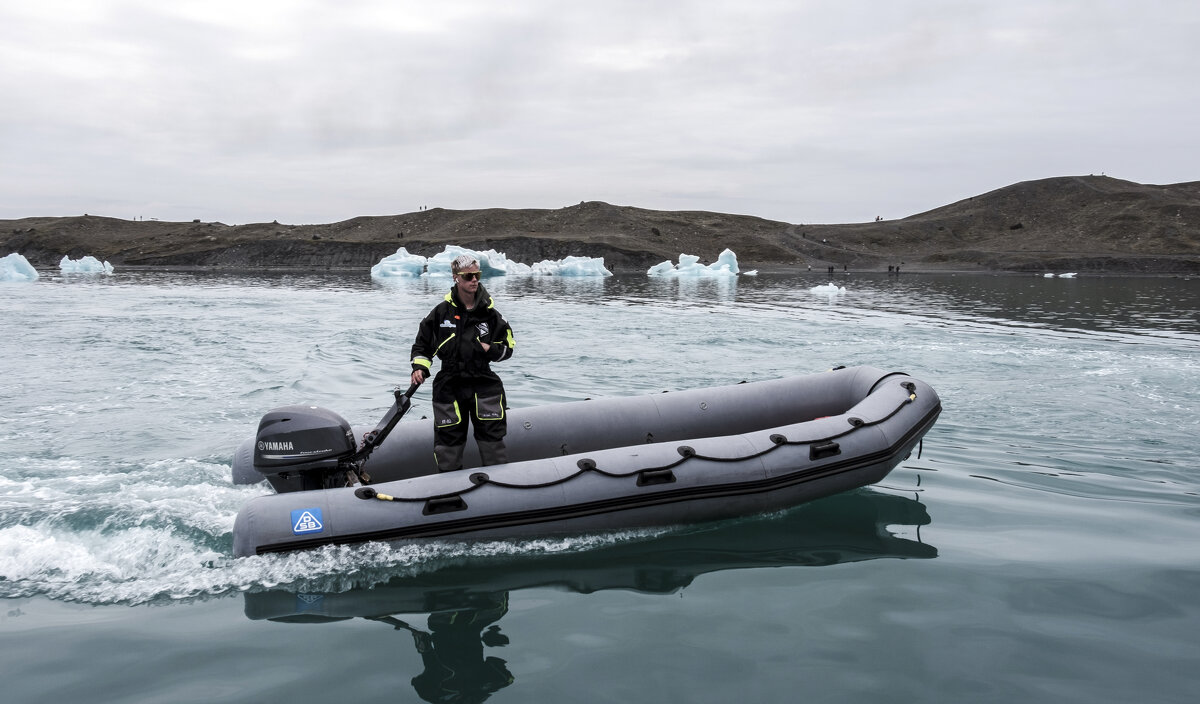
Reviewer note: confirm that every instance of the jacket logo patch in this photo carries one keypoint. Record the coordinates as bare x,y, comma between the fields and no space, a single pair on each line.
447,324
483,329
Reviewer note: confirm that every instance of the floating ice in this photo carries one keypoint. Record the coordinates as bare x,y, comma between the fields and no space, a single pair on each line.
86,265
572,266
491,263
399,264
690,266
830,290
1070,275
14,267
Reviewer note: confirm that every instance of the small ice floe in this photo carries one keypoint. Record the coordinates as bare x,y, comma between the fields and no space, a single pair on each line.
1048,276
1070,275
830,291
15,267
85,265
690,266
571,266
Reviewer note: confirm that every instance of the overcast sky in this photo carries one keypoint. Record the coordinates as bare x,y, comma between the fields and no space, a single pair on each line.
315,111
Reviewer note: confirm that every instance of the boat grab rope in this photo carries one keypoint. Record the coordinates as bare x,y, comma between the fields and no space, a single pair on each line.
686,453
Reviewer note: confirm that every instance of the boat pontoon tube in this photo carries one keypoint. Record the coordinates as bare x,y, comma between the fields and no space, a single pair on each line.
664,459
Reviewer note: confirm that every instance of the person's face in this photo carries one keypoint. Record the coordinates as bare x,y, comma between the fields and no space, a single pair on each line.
468,279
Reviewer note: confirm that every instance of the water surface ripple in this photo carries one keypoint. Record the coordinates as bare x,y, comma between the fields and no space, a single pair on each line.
1044,546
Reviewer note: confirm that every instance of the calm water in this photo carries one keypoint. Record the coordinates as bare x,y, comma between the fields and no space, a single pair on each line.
1045,546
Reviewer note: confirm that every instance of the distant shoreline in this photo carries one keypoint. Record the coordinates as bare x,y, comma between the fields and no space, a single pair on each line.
762,270
1092,225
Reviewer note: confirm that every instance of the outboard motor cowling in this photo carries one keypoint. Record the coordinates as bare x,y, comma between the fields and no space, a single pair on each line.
308,443
301,448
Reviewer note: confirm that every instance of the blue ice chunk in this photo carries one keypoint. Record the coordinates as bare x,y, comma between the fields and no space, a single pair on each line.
14,267
399,264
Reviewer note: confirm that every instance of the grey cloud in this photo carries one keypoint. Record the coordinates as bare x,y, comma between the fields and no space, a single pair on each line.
794,111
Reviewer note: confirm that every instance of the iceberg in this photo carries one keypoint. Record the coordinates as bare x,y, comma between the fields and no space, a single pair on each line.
15,267
85,265
399,264
491,263
690,266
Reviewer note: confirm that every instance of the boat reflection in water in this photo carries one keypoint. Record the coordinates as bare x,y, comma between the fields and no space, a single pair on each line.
464,602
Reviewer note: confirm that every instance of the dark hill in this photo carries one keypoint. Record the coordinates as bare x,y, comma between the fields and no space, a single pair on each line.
1089,223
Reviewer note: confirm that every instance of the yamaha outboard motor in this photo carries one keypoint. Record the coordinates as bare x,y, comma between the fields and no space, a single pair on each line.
303,447
300,448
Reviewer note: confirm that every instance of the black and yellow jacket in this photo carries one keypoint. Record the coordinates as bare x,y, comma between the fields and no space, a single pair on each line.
453,334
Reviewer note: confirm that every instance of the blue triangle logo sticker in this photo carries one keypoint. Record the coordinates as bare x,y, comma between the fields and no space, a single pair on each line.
307,520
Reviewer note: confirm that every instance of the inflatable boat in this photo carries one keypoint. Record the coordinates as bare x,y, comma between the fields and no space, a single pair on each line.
673,458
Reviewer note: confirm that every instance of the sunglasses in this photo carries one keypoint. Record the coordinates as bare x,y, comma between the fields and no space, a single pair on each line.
469,275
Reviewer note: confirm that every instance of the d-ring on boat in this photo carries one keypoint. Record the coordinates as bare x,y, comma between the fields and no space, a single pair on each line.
665,459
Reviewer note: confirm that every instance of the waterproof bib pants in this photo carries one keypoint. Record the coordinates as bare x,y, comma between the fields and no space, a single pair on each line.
458,400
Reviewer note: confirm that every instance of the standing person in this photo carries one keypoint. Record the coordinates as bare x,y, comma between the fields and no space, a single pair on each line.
467,333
